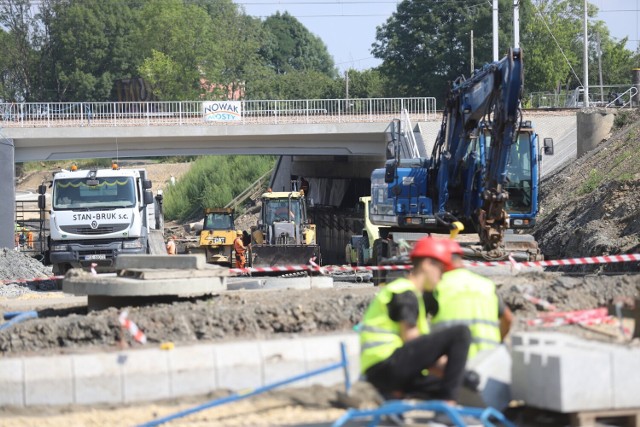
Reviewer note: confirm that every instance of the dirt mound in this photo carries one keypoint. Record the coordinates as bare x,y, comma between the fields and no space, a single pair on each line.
243,314
16,265
590,207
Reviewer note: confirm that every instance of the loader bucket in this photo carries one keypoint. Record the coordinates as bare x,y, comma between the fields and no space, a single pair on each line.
278,255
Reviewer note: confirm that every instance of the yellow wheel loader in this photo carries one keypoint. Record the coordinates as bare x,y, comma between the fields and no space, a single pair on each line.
283,235
217,235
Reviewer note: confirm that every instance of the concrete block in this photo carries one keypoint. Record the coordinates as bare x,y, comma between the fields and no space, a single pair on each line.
563,374
321,282
48,380
493,368
193,370
325,350
237,284
238,365
11,382
625,364
145,375
282,359
181,262
97,379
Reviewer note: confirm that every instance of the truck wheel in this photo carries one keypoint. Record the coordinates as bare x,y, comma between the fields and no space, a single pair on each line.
380,252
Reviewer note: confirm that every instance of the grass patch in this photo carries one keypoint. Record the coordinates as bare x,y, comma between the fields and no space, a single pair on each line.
211,182
592,182
623,118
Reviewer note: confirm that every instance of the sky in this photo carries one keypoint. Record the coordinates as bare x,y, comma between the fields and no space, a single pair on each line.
348,27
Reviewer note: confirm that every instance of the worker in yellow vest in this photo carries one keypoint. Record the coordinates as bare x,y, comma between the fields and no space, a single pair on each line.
395,344
466,298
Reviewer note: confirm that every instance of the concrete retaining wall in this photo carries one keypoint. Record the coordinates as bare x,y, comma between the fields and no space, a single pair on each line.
594,126
151,374
566,374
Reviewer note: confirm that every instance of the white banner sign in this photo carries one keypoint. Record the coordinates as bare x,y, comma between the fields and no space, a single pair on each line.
221,111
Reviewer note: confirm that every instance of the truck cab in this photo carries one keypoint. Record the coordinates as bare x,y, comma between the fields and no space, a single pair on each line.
98,214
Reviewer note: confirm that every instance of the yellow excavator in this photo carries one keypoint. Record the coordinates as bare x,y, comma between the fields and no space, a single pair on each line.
284,235
217,235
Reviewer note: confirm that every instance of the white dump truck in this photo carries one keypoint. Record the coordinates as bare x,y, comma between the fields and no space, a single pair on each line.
97,214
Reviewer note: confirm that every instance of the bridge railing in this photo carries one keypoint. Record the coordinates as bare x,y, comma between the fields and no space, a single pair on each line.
216,113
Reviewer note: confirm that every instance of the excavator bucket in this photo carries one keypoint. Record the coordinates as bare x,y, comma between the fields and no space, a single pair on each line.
279,255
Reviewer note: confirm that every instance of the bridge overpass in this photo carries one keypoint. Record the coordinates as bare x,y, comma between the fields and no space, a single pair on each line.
330,140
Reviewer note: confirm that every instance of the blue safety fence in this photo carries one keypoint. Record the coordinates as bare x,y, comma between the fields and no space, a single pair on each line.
15,317
343,364
487,416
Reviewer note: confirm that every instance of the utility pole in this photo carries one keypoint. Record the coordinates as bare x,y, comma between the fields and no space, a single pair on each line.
495,30
472,59
600,66
585,59
516,23
346,83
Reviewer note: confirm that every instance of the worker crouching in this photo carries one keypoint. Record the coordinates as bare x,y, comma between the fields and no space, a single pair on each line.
398,354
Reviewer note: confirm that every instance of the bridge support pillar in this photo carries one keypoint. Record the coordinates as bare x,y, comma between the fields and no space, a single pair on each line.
7,193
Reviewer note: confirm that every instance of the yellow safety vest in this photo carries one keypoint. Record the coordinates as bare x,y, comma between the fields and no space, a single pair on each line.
466,298
379,335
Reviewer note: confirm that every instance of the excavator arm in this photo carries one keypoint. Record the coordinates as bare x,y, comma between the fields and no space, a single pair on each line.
492,94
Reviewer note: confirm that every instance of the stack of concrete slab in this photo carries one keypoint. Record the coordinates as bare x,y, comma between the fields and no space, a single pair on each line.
141,278
567,374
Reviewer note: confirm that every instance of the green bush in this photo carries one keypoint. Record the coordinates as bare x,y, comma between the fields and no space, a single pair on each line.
212,181
593,181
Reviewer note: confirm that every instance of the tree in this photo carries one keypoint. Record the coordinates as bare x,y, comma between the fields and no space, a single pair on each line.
92,43
363,84
291,46
425,45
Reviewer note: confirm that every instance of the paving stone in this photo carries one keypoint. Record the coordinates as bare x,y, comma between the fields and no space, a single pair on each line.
97,379
145,375
11,382
282,359
239,365
192,370
48,380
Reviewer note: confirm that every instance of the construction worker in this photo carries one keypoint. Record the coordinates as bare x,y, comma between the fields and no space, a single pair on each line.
171,246
396,346
238,246
466,298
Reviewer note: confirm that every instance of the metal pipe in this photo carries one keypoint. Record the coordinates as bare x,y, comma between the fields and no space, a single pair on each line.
495,31
250,393
516,23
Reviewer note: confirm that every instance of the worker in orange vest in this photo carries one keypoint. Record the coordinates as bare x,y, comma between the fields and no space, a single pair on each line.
238,246
171,246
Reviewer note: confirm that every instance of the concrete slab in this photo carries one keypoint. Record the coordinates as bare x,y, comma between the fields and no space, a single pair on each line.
12,382
322,351
127,287
192,370
48,380
234,284
298,282
181,262
97,379
625,365
145,375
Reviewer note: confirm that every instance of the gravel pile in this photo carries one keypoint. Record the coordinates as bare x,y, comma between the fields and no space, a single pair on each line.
16,266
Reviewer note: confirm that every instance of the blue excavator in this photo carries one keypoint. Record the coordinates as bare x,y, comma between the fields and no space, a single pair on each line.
482,175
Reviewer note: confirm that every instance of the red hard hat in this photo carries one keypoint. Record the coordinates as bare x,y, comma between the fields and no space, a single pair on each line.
455,247
437,249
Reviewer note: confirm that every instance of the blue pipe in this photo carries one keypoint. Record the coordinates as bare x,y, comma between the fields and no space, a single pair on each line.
17,317
250,393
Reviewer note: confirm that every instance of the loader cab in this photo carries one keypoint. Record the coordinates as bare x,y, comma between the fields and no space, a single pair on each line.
218,219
